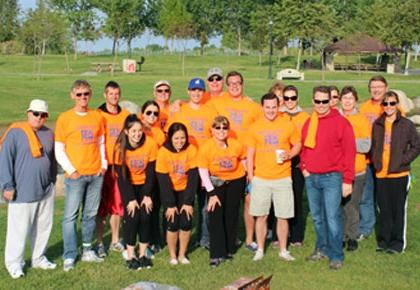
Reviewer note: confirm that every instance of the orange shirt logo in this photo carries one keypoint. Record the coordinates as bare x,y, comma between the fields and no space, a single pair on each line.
226,164
86,132
197,125
236,116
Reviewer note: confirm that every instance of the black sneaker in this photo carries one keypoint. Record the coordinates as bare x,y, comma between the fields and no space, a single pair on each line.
352,245
229,257
380,249
133,264
145,263
215,262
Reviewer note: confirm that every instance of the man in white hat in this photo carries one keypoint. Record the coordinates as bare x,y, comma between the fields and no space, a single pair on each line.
28,174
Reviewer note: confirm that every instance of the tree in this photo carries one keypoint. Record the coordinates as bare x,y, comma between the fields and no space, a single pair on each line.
237,22
176,23
134,22
206,16
303,20
81,16
260,29
396,23
9,23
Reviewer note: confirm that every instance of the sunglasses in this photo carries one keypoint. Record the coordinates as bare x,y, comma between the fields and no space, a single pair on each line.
324,102
37,114
215,78
224,128
334,97
385,104
85,94
163,90
292,98
155,113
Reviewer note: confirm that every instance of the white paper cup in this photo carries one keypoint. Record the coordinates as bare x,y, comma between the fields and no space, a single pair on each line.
279,156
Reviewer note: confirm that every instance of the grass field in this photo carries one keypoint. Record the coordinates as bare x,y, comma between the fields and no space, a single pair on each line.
19,84
363,269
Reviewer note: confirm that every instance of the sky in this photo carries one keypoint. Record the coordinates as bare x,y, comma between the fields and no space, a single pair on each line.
106,43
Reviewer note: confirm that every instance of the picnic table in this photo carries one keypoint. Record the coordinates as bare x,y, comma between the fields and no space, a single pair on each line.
105,66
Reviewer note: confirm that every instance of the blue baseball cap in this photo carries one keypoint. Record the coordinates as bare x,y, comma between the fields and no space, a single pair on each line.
197,83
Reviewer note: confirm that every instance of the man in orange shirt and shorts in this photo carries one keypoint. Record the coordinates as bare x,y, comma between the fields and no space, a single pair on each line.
272,142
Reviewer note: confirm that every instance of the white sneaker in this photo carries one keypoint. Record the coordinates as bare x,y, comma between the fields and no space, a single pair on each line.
173,262
90,256
44,264
285,255
184,261
68,264
259,254
16,273
124,255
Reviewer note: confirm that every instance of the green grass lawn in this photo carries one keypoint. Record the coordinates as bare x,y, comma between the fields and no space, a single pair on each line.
364,269
19,84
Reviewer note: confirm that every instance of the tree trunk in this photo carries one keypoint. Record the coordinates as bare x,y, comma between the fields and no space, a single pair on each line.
259,58
239,42
44,44
407,61
75,47
300,46
183,60
129,47
322,65
114,45
285,50
201,49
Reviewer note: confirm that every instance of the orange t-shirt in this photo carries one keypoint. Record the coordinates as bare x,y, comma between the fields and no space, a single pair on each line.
80,136
386,155
207,97
156,134
224,163
266,137
198,122
371,110
176,165
362,130
163,117
241,113
138,159
113,126
298,119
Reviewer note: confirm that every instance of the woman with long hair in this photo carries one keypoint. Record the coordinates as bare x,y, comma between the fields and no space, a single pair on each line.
135,156
178,180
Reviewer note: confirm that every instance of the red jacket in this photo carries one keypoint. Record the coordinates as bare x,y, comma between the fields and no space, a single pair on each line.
335,148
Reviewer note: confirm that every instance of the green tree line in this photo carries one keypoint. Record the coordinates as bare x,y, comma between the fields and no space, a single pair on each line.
56,26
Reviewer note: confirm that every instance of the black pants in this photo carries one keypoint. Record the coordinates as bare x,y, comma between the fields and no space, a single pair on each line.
391,194
297,223
181,221
139,224
223,221
155,229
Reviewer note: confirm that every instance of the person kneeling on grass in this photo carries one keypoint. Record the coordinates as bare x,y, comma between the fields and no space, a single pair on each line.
178,180
135,156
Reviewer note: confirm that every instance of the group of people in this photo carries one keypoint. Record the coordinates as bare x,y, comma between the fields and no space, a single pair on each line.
219,148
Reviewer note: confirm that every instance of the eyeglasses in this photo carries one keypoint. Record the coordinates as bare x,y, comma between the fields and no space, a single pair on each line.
324,102
163,91
85,94
234,84
42,114
215,78
155,113
224,128
385,104
292,98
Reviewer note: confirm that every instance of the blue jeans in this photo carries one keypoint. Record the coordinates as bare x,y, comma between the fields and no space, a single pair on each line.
203,220
324,195
85,190
367,204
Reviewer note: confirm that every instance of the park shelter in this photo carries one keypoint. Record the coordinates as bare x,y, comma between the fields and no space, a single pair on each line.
357,45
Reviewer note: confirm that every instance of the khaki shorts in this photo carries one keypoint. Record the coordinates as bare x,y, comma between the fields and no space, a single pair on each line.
278,191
